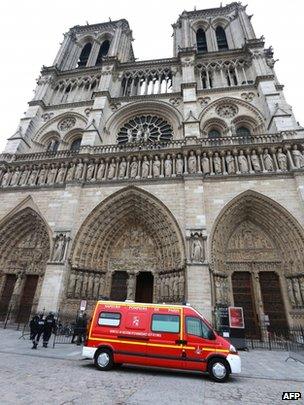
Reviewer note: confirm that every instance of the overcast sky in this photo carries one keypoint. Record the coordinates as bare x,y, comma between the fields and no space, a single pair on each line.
31,30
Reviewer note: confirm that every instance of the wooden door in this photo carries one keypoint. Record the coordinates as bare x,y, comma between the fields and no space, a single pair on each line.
273,301
243,295
119,286
8,288
27,298
144,287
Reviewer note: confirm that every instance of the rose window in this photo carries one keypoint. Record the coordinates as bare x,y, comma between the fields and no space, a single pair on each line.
145,128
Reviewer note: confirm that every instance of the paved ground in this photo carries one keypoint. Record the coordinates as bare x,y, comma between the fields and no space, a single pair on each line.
60,376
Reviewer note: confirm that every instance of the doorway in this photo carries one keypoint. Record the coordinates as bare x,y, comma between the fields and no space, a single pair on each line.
8,288
119,286
243,296
273,301
144,287
27,298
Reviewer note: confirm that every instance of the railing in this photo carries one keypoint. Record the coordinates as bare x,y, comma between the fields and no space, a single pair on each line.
289,339
140,146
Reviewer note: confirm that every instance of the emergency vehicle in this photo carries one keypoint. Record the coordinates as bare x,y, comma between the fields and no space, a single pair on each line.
160,335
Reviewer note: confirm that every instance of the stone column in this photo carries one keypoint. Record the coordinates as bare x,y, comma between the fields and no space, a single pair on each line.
199,288
52,286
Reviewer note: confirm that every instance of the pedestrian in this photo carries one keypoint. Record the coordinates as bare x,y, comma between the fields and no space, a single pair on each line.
33,329
82,329
36,329
49,328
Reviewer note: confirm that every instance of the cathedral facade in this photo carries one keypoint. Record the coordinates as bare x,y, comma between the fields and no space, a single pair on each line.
158,181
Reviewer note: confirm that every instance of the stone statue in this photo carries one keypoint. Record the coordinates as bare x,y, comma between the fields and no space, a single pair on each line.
60,174
181,286
42,176
101,286
71,172
52,174
71,286
23,177
205,163
145,168
243,164
255,160
156,167
59,248
297,292
217,163
122,168
158,289
130,135
101,170
90,171
139,133
268,162
175,287
230,163
131,282
290,292
282,160
112,169
79,170
197,252
133,168
6,178
33,177
78,285
179,165
192,163
52,146
298,158
168,166
146,134
15,177
219,289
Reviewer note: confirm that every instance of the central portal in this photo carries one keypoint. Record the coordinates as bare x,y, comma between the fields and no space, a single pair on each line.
144,287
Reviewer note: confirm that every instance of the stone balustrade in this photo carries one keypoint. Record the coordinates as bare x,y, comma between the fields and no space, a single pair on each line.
156,164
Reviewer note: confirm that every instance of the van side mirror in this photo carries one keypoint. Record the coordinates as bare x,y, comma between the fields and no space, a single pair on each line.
210,335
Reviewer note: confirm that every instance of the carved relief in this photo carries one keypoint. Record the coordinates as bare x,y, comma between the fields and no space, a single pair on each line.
60,247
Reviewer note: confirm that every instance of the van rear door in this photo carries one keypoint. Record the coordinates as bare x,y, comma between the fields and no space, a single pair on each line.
164,348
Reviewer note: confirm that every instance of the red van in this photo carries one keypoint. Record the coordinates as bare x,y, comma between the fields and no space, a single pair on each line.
160,335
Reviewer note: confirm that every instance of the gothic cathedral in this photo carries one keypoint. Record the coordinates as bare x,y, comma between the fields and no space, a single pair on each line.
157,181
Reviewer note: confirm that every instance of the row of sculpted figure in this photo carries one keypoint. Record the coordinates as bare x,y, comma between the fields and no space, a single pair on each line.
295,288
85,285
170,287
169,165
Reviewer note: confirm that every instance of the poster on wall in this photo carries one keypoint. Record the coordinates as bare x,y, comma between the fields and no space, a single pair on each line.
236,317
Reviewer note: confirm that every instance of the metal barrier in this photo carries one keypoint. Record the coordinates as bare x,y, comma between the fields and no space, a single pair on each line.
291,339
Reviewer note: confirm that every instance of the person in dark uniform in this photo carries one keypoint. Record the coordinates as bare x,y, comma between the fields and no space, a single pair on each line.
81,327
36,329
49,328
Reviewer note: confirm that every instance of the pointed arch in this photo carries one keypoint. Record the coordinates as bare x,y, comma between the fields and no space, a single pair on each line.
271,217
113,215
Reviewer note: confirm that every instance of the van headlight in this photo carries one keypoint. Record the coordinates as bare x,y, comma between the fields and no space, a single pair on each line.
232,349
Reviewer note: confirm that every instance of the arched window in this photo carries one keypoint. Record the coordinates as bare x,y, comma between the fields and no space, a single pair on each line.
243,132
75,145
84,56
53,145
103,51
214,134
221,38
201,41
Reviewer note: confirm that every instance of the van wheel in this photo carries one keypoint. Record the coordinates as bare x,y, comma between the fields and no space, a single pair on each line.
104,359
219,370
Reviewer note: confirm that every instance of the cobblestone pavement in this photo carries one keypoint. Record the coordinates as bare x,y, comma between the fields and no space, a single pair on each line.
60,376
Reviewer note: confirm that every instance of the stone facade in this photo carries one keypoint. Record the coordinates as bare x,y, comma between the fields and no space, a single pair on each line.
161,180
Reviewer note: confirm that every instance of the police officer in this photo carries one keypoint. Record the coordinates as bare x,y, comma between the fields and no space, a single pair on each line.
82,326
49,327
36,329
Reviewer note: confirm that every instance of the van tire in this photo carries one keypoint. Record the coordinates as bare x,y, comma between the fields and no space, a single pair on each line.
219,369
103,359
